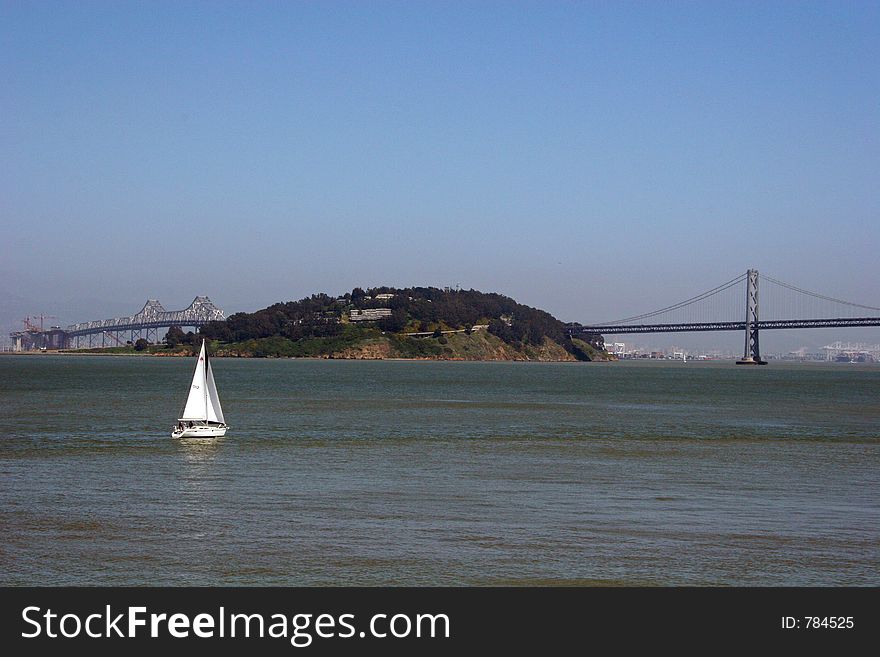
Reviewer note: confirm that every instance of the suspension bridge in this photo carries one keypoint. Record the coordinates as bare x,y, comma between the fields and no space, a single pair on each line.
115,331
733,306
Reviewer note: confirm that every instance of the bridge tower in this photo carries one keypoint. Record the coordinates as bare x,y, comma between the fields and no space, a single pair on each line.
752,352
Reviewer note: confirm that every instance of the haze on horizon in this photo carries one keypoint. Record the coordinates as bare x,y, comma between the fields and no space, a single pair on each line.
596,160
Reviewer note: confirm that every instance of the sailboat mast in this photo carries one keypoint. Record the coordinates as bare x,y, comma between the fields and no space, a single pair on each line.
205,379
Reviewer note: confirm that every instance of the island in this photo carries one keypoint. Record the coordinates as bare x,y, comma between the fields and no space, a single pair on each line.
386,322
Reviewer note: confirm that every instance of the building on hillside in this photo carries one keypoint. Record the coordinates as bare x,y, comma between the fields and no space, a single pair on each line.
369,314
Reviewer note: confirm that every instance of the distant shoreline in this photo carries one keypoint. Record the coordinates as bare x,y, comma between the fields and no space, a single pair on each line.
191,355
56,352
399,359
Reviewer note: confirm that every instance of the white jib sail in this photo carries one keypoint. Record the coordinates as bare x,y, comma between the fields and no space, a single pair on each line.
215,413
197,403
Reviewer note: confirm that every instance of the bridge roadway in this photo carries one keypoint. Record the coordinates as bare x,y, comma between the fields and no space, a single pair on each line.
149,320
621,329
152,316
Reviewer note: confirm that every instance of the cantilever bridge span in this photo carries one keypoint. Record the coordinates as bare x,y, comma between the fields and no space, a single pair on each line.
786,305
116,331
146,323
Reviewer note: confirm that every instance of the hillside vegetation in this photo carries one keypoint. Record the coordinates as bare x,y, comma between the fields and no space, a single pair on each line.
420,322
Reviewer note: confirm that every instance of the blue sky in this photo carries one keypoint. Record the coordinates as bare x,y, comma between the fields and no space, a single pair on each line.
594,159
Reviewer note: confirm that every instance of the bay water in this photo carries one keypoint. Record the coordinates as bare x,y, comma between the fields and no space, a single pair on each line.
440,473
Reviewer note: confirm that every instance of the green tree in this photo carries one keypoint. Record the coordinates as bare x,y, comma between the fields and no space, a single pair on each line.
394,324
174,336
141,344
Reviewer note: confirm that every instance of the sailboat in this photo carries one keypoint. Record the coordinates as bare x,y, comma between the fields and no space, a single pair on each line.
202,416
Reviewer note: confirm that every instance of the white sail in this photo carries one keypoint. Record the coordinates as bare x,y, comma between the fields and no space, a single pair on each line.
197,403
215,413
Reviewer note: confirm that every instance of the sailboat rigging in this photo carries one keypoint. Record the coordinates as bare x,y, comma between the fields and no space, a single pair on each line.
202,416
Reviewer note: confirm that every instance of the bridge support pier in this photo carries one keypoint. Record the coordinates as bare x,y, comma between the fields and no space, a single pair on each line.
752,352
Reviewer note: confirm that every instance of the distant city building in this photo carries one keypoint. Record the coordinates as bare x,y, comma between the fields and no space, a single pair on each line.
854,352
384,297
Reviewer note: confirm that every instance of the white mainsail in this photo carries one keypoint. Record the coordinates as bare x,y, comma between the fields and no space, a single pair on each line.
197,403
215,413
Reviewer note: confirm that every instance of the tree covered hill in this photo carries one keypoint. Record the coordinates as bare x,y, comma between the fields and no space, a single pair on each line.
416,322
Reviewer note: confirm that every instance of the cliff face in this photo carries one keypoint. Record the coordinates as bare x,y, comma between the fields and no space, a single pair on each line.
478,346
376,349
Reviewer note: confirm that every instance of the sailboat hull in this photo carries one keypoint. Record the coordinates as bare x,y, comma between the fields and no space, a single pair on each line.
200,432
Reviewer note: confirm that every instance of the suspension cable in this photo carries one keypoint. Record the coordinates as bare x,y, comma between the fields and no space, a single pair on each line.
699,297
794,288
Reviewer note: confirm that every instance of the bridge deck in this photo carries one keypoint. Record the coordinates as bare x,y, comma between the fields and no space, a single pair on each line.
621,329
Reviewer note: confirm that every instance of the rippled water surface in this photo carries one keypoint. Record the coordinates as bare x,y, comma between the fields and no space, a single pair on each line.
380,472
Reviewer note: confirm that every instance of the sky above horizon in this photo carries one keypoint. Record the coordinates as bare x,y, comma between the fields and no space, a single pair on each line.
596,160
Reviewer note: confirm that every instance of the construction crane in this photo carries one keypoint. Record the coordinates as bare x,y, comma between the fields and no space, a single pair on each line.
33,328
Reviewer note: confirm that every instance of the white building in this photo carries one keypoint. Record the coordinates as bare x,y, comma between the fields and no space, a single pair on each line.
369,315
